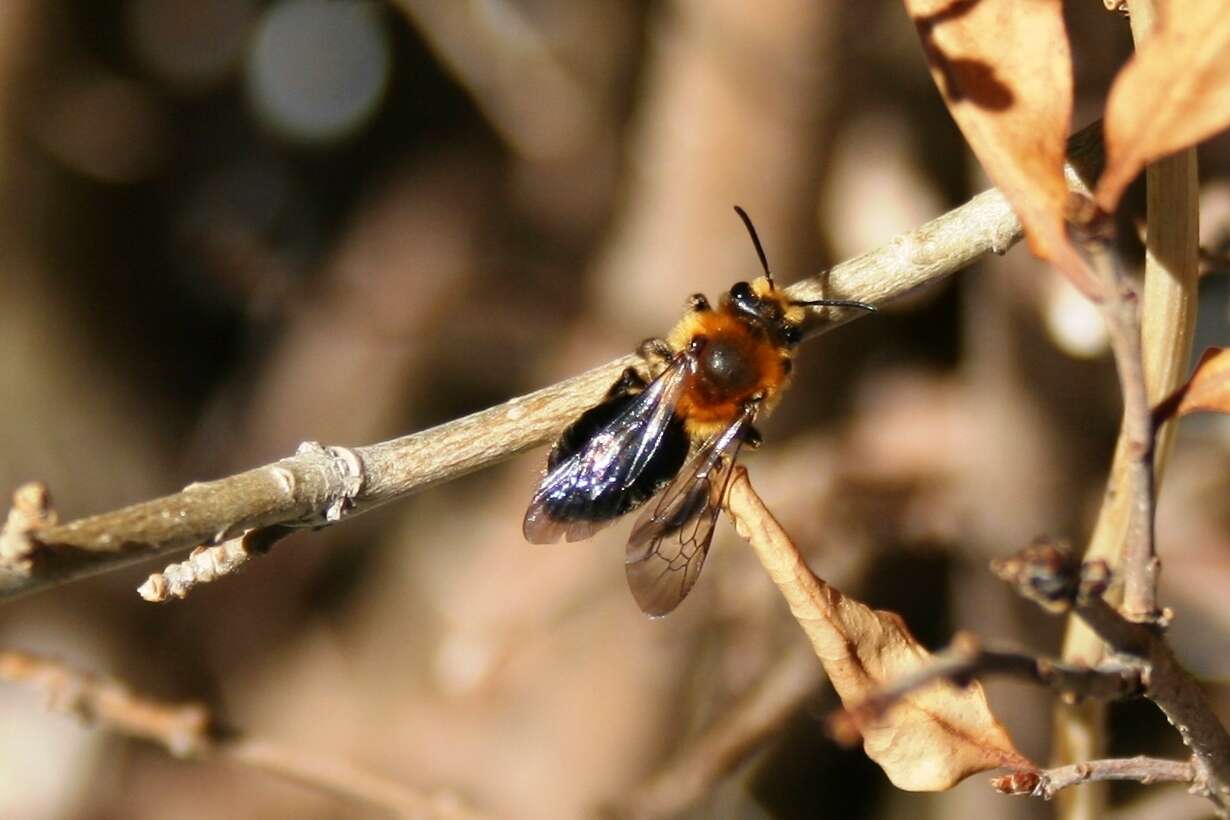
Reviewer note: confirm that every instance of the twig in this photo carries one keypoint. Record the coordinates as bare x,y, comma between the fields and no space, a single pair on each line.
187,730
1042,571
1120,309
724,746
206,564
181,729
1124,531
965,661
322,485
1049,782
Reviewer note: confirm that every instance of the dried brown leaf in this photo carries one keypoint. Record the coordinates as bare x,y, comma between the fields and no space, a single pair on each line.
1207,391
931,740
1173,93
1005,72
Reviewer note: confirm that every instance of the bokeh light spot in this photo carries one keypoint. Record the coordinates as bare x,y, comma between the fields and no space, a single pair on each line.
317,70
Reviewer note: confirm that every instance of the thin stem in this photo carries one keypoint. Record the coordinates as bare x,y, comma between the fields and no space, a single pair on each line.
1049,782
1120,308
964,661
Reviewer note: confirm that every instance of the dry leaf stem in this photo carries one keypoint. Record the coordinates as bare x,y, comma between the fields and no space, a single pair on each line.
321,485
187,730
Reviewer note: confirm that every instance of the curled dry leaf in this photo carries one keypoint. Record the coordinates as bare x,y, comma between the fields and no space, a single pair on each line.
935,737
1005,72
1173,93
1207,391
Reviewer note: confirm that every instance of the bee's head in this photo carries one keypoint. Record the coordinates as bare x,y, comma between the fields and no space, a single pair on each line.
762,303
759,303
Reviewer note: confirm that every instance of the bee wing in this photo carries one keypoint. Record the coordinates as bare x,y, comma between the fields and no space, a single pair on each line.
670,540
612,459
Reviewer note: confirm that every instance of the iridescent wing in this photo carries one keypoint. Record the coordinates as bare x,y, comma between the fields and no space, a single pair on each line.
670,540
567,501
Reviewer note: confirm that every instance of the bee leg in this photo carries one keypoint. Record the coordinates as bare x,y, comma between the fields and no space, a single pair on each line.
752,437
629,382
655,351
698,303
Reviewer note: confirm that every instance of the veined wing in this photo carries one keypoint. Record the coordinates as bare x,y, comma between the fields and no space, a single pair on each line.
670,540
609,462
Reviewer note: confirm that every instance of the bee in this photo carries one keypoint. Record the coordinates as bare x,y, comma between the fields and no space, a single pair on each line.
718,371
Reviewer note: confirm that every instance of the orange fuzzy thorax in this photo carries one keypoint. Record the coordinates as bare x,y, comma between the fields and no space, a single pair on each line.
706,407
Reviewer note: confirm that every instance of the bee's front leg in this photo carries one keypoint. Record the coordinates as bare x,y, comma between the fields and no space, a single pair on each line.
697,303
656,353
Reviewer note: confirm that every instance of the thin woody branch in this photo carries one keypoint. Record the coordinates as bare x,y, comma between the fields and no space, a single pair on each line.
187,730
1121,311
1049,782
321,485
965,661
1044,573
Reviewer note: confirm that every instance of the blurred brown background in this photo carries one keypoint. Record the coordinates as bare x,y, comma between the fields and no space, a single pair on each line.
228,226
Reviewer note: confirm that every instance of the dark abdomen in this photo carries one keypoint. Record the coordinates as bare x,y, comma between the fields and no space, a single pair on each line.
663,465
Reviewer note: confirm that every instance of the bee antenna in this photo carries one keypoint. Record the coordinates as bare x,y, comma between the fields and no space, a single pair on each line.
843,303
751,229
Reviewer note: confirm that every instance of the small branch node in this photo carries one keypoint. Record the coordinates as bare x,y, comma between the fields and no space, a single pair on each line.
349,472
349,466
286,479
32,510
1164,618
965,644
1095,579
1021,781
1043,572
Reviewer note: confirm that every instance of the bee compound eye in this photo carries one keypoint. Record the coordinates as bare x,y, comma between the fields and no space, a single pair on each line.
741,292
